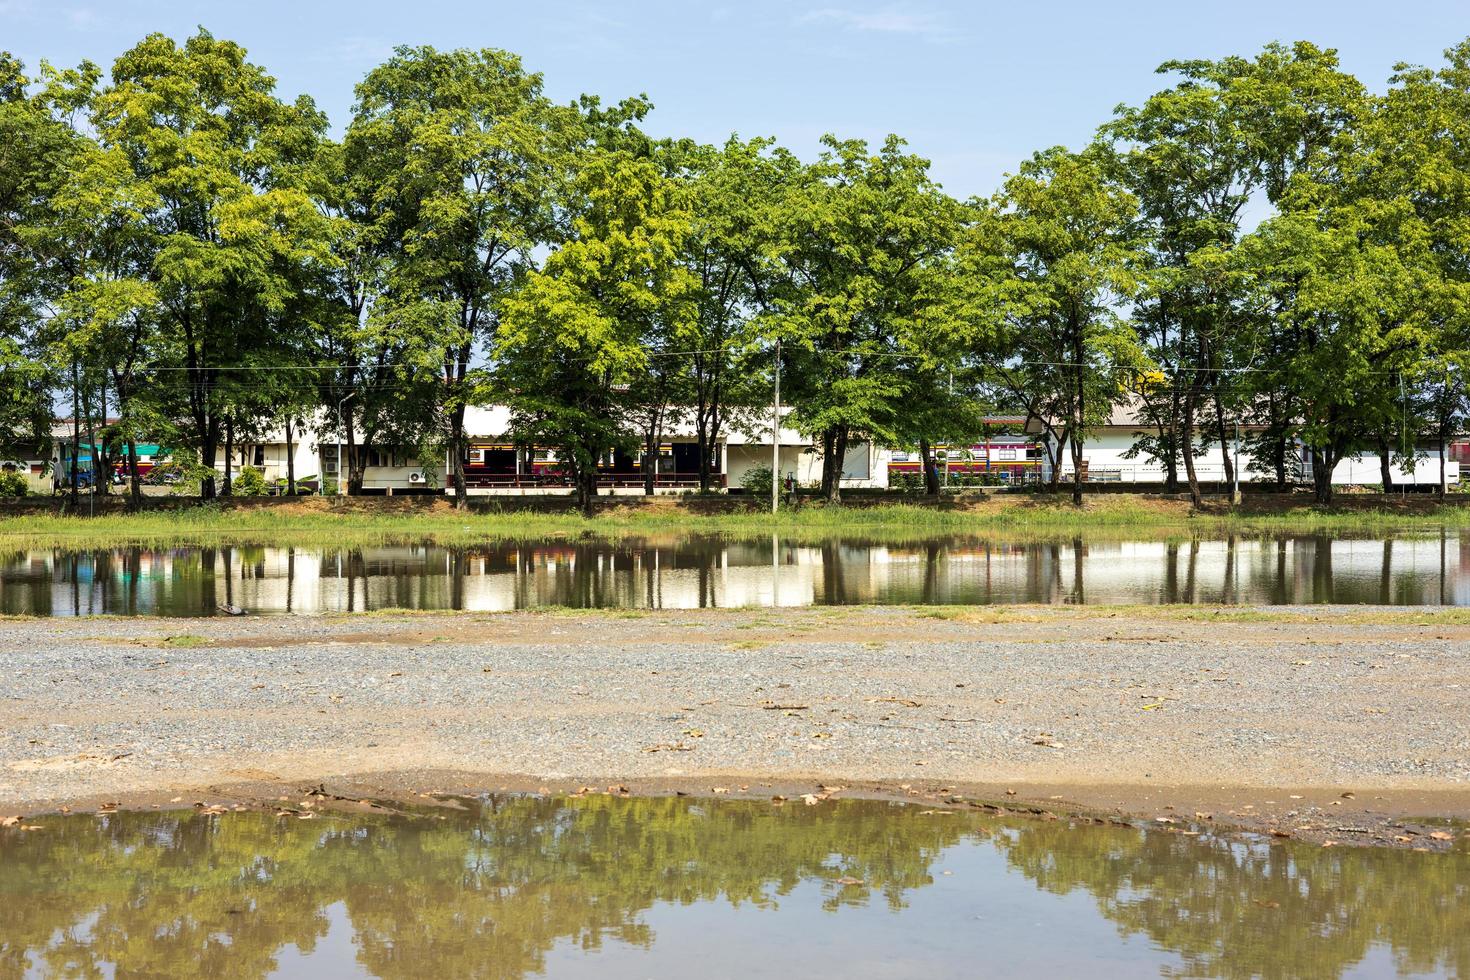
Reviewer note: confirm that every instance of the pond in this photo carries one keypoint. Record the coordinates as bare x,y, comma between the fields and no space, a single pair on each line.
700,572
509,886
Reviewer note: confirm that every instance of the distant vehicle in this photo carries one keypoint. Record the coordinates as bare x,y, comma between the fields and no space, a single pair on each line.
84,480
164,475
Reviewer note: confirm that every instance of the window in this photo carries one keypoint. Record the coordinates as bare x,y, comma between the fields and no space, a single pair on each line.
259,459
1007,454
855,463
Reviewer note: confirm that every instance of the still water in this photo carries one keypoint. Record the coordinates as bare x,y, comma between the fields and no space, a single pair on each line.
699,572
598,885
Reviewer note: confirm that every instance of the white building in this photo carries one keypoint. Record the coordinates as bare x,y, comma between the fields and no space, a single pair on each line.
494,465
1106,459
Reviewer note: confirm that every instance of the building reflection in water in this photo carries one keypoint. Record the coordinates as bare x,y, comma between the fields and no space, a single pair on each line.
705,572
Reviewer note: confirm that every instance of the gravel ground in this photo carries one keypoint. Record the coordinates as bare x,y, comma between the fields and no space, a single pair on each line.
1031,698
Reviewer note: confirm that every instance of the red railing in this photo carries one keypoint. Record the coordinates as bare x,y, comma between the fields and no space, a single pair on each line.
555,481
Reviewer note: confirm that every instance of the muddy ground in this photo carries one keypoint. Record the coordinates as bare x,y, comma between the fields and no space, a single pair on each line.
1328,724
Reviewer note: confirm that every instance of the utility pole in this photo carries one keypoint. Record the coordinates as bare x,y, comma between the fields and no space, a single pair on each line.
776,435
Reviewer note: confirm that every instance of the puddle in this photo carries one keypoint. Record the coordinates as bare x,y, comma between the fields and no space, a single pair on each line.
517,886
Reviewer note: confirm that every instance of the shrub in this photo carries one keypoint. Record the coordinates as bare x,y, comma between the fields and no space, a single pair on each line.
249,482
757,482
13,484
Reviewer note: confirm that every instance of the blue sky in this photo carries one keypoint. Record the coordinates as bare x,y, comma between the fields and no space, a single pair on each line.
974,86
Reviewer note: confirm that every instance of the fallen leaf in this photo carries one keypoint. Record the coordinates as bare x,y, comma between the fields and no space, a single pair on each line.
1441,835
906,702
9,821
847,881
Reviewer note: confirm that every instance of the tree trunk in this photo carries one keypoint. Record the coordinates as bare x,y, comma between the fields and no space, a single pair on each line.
1322,466
135,482
1186,442
652,437
101,458
456,458
1171,468
228,488
1076,471
701,439
1441,490
586,487
290,462
76,435
1221,434
1055,482
1081,404
1169,449
832,464
207,451
829,440
931,468
1385,469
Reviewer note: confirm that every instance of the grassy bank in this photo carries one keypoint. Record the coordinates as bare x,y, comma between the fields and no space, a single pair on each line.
318,522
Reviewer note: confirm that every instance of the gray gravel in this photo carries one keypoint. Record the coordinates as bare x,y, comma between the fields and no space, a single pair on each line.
110,707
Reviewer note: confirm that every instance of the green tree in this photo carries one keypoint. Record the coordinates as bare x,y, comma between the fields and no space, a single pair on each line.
859,237
221,161
734,192
1067,354
464,157
1228,135
33,146
576,335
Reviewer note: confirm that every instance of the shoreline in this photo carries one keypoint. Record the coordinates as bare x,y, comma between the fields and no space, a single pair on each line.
1397,818
1262,718
379,520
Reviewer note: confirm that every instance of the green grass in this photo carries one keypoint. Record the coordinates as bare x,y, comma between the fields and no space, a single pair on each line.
366,523
186,641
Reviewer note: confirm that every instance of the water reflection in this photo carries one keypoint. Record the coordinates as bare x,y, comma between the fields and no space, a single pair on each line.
699,572
508,885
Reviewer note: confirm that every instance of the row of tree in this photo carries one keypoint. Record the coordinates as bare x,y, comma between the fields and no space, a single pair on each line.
1263,242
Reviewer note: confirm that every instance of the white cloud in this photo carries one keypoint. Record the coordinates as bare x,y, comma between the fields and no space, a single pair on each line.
884,20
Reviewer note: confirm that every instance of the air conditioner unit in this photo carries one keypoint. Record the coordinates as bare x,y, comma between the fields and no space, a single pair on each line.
415,478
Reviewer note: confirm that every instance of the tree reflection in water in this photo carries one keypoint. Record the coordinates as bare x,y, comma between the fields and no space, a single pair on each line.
488,890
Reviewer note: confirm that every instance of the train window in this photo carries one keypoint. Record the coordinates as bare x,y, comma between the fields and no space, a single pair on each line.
1007,454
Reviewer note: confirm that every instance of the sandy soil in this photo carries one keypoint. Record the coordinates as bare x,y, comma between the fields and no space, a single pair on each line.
1327,724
